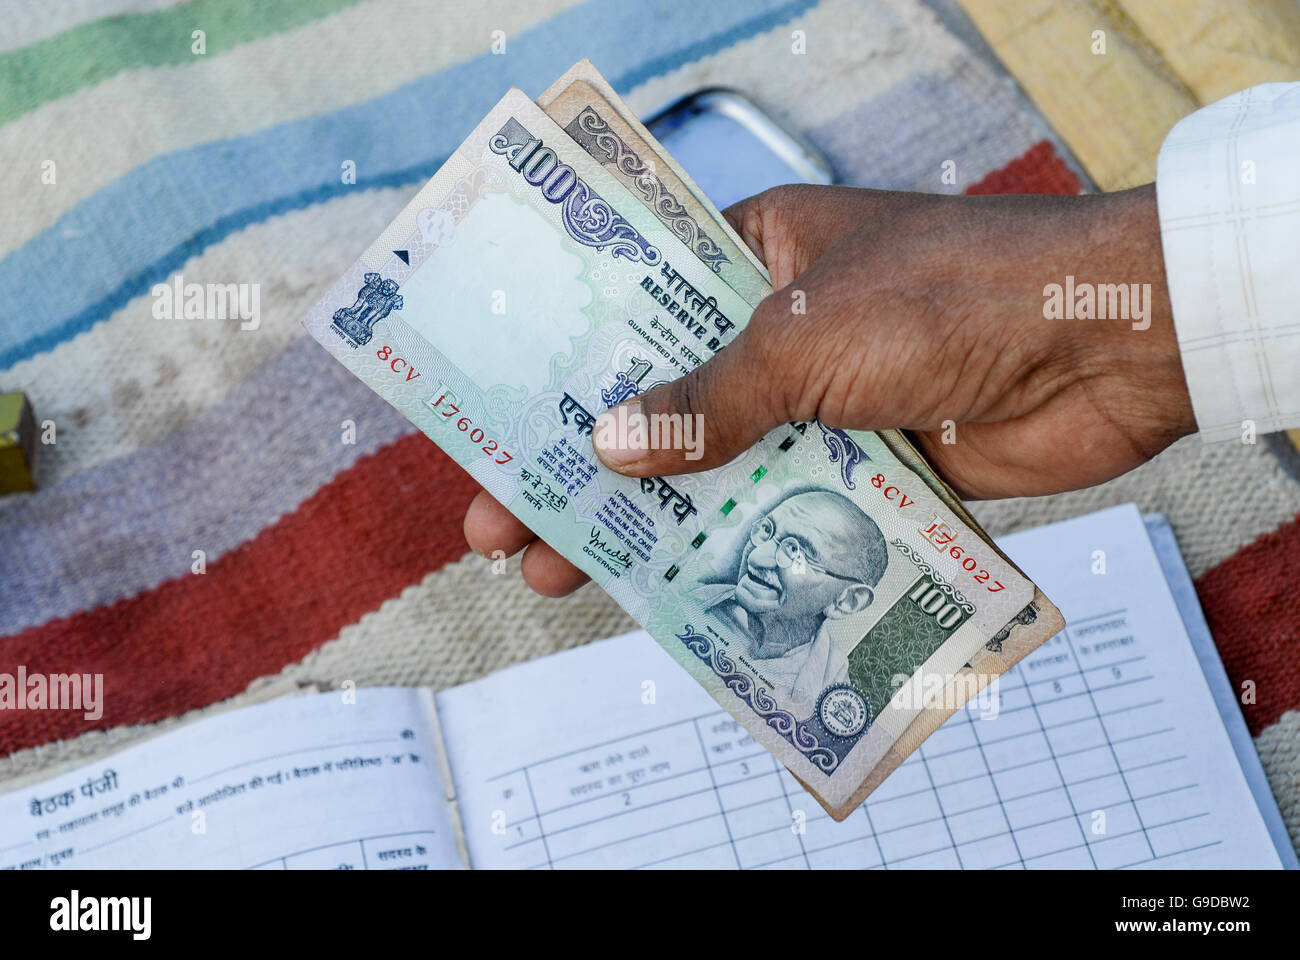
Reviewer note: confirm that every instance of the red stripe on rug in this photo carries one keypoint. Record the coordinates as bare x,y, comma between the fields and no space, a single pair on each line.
1252,604
376,528
1038,170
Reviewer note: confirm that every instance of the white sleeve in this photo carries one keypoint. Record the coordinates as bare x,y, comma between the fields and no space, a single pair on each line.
1228,191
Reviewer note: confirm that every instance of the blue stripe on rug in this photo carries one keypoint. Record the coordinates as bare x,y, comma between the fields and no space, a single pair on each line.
144,226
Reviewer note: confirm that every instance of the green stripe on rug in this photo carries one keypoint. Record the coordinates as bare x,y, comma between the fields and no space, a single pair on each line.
85,55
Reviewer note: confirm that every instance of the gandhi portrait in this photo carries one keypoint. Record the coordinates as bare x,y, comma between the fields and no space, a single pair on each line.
812,558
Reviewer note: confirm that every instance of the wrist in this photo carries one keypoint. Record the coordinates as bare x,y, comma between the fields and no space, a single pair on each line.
1139,352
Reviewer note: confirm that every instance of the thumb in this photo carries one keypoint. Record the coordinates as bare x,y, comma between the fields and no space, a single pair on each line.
700,421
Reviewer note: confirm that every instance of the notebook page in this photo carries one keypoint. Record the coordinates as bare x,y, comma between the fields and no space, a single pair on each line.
1102,750
297,783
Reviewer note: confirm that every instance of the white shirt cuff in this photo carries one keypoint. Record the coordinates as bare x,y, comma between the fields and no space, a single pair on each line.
1228,192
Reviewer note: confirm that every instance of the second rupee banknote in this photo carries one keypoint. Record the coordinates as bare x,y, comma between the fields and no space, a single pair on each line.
523,291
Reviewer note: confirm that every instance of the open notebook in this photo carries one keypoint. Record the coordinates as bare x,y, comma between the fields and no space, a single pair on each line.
1116,744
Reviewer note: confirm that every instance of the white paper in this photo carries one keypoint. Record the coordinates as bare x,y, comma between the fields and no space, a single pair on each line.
299,783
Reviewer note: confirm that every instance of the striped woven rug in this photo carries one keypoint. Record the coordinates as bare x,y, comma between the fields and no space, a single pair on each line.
227,515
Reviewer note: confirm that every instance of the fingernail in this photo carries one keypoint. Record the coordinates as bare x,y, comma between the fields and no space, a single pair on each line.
619,437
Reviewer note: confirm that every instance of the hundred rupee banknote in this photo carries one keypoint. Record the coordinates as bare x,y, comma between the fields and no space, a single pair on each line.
819,587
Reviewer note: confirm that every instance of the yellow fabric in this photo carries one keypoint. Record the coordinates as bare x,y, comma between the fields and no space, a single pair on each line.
1163,59
1218,48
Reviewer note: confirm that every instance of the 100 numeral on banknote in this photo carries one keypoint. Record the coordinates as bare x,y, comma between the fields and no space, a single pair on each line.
523,291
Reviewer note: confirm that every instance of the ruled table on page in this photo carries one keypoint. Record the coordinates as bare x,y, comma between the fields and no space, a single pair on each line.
1103,749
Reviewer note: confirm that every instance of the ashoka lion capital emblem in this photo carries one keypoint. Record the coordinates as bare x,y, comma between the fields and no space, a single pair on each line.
375,300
